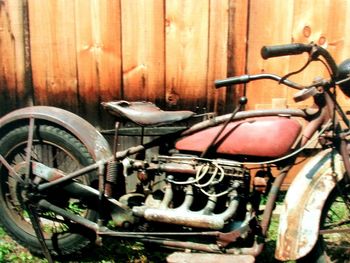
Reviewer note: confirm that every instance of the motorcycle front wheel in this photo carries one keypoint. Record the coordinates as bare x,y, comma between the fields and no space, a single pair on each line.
333,244
56,148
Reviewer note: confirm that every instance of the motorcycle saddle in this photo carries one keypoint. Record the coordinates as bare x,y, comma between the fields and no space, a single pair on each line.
144,113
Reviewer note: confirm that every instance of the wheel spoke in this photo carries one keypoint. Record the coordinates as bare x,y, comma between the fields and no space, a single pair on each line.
56,149
336,225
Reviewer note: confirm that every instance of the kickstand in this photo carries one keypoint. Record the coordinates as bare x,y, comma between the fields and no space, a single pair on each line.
39,234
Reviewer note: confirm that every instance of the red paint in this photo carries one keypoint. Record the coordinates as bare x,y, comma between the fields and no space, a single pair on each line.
262,137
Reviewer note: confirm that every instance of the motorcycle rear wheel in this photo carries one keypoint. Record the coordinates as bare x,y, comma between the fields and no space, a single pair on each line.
56,148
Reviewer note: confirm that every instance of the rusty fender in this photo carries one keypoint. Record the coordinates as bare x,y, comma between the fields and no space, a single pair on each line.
301,212
96,144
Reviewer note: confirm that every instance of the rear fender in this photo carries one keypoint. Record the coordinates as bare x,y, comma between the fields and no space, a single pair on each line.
96,144
301,212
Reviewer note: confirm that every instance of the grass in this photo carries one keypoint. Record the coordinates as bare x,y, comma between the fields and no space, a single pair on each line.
10,251
116,251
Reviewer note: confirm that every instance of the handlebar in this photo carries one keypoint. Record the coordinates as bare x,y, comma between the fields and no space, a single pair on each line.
247,78
284,50
297,48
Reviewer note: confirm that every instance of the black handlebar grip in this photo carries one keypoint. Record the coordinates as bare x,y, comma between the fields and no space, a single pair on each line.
284,50
232,81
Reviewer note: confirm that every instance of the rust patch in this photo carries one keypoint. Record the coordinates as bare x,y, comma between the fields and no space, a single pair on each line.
301,212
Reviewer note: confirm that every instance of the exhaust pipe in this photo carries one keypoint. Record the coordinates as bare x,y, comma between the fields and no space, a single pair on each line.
182,215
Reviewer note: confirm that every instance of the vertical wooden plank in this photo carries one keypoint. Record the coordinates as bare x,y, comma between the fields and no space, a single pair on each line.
186,53
339,40
312,21
7,60
237,47
318,22
310,25
53,53
28,94
143,54
98,55
270,23
143,50
11,56
217,57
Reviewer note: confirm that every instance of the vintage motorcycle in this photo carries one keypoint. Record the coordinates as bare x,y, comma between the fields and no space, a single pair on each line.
210,189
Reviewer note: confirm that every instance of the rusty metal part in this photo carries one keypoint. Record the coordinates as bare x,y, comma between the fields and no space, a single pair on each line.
255,250
142,176
177,168
183,257
182,215
66,214
189,219
116,138
76,190
111,177
29,149
271,200
320,118
224,239
95,143
332,231
45,172
121,214
148,131
11,170
163,239
260,184
301,211
72,175
344,146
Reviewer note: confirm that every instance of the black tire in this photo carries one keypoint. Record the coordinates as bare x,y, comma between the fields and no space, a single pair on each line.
333,247
55,148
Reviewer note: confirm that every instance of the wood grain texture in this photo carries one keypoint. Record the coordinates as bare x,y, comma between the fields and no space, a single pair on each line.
98,55
82,52
237,45
143,50
187,53
52,31
270,23
12,65
217,53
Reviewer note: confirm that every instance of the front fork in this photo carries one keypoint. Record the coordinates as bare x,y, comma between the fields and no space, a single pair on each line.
345,153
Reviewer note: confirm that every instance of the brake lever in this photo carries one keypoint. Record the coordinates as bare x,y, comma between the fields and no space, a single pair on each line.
304,94
311,90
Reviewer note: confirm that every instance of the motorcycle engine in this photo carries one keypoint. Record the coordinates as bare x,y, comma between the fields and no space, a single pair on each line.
190,191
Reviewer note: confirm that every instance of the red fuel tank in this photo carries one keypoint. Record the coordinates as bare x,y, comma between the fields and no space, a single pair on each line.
260,136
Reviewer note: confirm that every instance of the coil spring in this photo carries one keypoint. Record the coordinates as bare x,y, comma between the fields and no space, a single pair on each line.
112,171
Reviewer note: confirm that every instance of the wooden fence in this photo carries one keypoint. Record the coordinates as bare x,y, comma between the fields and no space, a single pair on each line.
76,53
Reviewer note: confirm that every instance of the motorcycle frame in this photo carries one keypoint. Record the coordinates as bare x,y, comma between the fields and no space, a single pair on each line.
36,115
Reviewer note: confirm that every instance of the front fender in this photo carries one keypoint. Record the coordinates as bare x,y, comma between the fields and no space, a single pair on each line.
301,212
96,144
